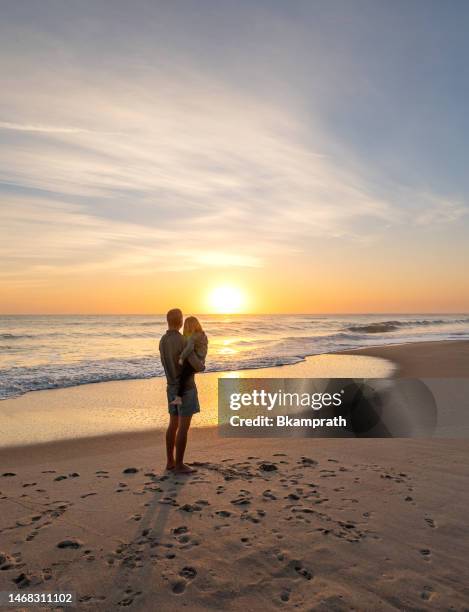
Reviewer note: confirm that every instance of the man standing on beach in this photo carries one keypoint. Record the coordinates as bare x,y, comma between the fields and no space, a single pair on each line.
171,346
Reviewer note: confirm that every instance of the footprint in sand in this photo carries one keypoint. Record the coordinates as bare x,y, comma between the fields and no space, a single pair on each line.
223,513
183,539
32,535
299,568
8,562
252,517
426,553
427,593
128,601
190,508
240,501
307,462
90,598
178,587
328,474
25,580
72,543
188,572
186,542
266,466
152,489
285,595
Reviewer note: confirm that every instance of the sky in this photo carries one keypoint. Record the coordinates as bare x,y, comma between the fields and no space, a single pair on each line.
311,154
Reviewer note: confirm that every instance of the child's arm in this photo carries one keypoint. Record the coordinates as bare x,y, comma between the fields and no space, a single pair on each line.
187,350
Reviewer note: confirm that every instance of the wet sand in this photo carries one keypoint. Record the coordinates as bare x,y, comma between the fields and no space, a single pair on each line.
140,405
446,359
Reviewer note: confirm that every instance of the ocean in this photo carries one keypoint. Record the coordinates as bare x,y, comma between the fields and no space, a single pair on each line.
50,351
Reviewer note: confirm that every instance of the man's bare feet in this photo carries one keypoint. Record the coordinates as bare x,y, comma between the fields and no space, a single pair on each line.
184,469
170,466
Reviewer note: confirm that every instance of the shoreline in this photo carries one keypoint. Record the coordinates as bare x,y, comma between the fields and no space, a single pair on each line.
102,411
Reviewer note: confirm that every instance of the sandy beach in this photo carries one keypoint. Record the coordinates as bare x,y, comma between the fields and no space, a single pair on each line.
264,524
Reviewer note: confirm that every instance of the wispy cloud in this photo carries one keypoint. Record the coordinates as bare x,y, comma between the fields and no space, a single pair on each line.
435,211
46,129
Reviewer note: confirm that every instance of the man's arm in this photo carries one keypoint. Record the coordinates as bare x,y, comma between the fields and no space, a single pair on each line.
161,350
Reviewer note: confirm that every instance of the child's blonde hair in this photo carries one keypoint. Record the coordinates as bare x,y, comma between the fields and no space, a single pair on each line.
191,325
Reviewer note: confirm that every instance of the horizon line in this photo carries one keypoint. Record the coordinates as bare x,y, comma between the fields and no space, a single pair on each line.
227,314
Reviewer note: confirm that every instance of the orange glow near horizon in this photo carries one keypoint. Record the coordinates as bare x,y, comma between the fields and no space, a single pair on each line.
268,290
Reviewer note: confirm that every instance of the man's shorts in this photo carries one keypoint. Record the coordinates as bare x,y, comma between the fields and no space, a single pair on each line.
190,403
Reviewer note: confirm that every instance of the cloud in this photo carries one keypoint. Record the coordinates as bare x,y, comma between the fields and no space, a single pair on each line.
434,211
42,238
178,164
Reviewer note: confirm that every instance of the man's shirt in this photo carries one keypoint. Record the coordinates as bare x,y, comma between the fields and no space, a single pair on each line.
171,347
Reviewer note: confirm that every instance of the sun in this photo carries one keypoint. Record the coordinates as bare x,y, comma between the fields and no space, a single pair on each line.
226,300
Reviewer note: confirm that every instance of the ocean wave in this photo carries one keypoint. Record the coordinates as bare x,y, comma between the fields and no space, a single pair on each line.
15,336
82,334
17,381
378,327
